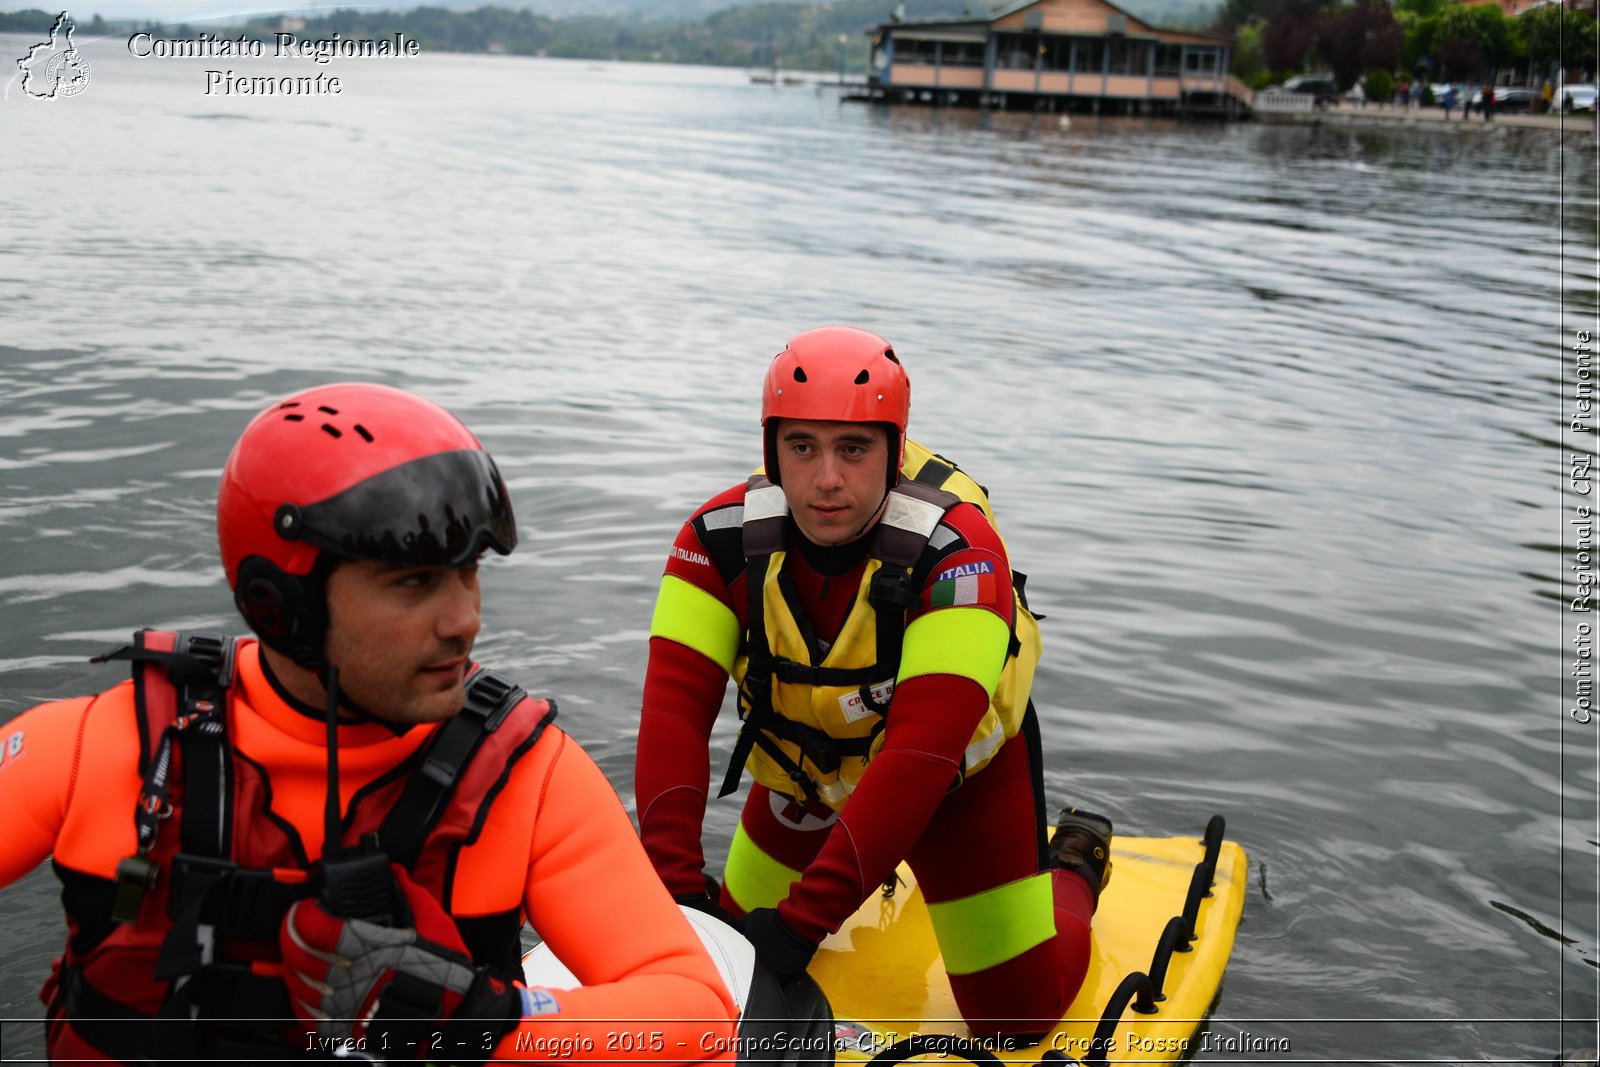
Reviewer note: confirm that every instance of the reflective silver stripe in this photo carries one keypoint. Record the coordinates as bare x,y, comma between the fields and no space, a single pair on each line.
943,536
984,747
915,516
724,518
764,503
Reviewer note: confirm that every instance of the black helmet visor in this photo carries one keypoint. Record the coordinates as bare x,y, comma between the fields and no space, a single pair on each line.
438,511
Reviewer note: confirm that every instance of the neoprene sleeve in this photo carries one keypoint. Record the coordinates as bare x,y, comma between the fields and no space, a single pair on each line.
672,767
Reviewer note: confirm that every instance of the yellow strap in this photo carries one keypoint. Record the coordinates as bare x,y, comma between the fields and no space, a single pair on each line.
991,927
689,615
971,642
753,878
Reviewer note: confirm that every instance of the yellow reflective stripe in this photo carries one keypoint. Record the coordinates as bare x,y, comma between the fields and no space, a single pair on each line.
971,642
989,928
689,615
753,878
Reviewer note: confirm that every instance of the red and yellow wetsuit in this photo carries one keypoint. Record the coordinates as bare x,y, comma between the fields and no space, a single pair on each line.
1014,939
556,843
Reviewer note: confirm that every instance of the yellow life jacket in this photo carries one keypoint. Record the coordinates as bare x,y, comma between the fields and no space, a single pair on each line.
812,726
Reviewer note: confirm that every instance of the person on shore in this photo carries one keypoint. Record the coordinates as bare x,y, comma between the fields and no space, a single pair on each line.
858,593
1402,93
1448,99
1488,103
326,841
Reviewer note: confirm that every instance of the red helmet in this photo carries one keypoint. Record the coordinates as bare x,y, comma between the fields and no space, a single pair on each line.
349,471
836,374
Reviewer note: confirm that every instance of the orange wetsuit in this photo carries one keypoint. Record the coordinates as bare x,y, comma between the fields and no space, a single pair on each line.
556,850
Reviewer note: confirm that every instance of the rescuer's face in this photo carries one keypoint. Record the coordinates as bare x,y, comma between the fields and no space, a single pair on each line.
833,476
402,637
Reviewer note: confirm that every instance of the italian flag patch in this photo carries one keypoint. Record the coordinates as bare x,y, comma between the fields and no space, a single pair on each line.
968,583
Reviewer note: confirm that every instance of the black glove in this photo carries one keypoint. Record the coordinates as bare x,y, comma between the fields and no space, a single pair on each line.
703,902
784,952
347,977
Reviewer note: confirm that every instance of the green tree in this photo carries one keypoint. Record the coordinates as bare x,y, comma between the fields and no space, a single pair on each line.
1289,35
1380,86
1237,13
31,21
1249,57
1361,36
1421,9
1554,34
1421,38
1471,41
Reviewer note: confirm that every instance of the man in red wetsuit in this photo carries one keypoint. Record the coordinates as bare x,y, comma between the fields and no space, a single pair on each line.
220,907
884,689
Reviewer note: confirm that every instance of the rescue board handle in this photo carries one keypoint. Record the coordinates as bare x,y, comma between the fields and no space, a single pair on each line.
1136,988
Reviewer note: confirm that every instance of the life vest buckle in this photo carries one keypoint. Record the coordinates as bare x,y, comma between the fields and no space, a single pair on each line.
136,876
893,590
491,698
791,673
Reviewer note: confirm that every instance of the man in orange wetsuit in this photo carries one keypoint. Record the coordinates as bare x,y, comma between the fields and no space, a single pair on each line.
212,913
862,600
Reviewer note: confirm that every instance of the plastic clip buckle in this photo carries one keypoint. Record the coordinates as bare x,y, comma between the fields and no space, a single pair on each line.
136,876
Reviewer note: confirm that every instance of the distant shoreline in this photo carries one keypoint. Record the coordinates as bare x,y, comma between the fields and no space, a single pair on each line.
1581,125
805,36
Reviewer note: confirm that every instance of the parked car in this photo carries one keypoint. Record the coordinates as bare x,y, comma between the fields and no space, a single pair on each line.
1582,97
1320,86
1508,100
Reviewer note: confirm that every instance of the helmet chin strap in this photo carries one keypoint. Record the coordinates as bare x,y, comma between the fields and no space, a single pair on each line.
332,812
877,513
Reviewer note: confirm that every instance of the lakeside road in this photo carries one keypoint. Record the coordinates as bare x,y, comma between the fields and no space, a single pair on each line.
1582,124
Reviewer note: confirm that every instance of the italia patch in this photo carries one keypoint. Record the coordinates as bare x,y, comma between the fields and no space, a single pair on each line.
965,570
971,583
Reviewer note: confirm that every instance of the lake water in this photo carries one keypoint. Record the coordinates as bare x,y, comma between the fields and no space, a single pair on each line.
1273,418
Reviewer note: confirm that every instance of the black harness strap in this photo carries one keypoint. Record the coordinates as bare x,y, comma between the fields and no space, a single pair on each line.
206,888
762,538
200,668
209,889
490,699
756,692
894,589
236,997
891,593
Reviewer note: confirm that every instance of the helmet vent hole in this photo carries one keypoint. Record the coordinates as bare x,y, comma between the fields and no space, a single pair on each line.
326,410
289,404
294,418
362,430
331,430
888,354
863,378
799,374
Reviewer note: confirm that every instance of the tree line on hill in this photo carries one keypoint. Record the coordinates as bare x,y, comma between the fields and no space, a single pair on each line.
788,35
794,36
1430,40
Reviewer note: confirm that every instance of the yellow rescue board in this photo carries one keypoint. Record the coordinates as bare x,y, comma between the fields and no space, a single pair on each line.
883,976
